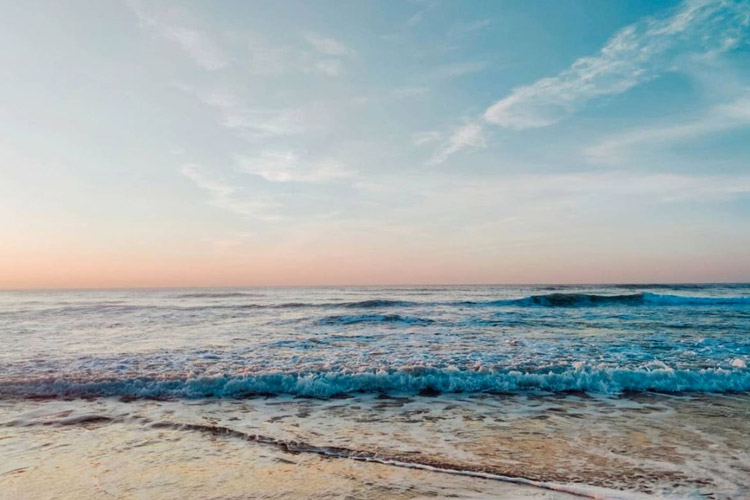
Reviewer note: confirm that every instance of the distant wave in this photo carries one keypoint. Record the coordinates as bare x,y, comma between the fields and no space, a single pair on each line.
548,300
632,299
569,300
426,381
651,286
678,300
361,304
378,303
351,319
217,295
541,300
581,299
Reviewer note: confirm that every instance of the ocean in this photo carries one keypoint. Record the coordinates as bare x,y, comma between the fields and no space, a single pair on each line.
618,391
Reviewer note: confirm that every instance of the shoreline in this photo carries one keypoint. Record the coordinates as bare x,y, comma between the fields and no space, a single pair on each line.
538,450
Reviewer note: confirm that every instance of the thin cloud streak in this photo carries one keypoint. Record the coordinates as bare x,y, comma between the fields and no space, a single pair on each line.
458,69
224,196
470,135
330,53
469,28
427,137
286,166
195,43
328,46
725,116
248,121
636,54
259,123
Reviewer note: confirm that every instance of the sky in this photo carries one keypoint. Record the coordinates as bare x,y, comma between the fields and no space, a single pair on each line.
232,143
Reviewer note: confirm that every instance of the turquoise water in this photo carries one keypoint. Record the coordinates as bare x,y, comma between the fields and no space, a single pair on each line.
326,342
615,391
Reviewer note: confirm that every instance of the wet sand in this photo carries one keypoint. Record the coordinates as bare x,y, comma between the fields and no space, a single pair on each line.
97,459
376,447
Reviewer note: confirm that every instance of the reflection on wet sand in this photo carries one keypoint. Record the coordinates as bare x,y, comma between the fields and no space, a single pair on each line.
687,445
99,460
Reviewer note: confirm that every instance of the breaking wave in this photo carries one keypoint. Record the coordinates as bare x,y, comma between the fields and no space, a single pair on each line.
542,300
216,295
632,299
353,319
379,303
414,381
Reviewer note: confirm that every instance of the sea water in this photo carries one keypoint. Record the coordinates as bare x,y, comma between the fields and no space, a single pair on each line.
597,390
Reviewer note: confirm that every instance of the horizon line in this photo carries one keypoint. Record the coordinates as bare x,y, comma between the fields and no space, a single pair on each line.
403,285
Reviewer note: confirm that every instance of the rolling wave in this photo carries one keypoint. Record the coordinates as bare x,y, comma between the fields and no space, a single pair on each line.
546,300
217,295
416,381
550,300
377,303
352,319
631,299
541,300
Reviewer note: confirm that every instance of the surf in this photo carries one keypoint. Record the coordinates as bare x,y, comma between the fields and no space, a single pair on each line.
414,381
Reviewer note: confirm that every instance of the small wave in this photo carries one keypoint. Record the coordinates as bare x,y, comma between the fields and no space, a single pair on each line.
583,299
680,300
362,304
595,300
293,305
651,286
93,308
542,300
326,384
352,319
217,295
376,303
551,300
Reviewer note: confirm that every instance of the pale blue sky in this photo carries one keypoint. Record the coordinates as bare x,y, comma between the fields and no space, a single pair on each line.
296,142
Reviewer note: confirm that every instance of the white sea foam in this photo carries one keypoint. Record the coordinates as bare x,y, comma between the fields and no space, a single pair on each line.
739,363
421,381
325,342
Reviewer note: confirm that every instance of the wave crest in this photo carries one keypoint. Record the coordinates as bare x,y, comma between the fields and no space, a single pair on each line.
353,319
632,299
216,295
418,380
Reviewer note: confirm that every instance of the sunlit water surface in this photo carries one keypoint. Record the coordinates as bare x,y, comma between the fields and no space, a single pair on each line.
618,390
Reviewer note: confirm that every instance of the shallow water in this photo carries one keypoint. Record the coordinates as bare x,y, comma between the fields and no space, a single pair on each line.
633,389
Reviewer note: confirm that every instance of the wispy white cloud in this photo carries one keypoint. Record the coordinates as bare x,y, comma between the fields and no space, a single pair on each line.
328,46
636,54
418,16
286,166
329,67
426,137
265,59
457,69
665,188
264,122
469,28
406,92
198,45
246,120
328,54
725,116
470,135
225,196
194,42
533,198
